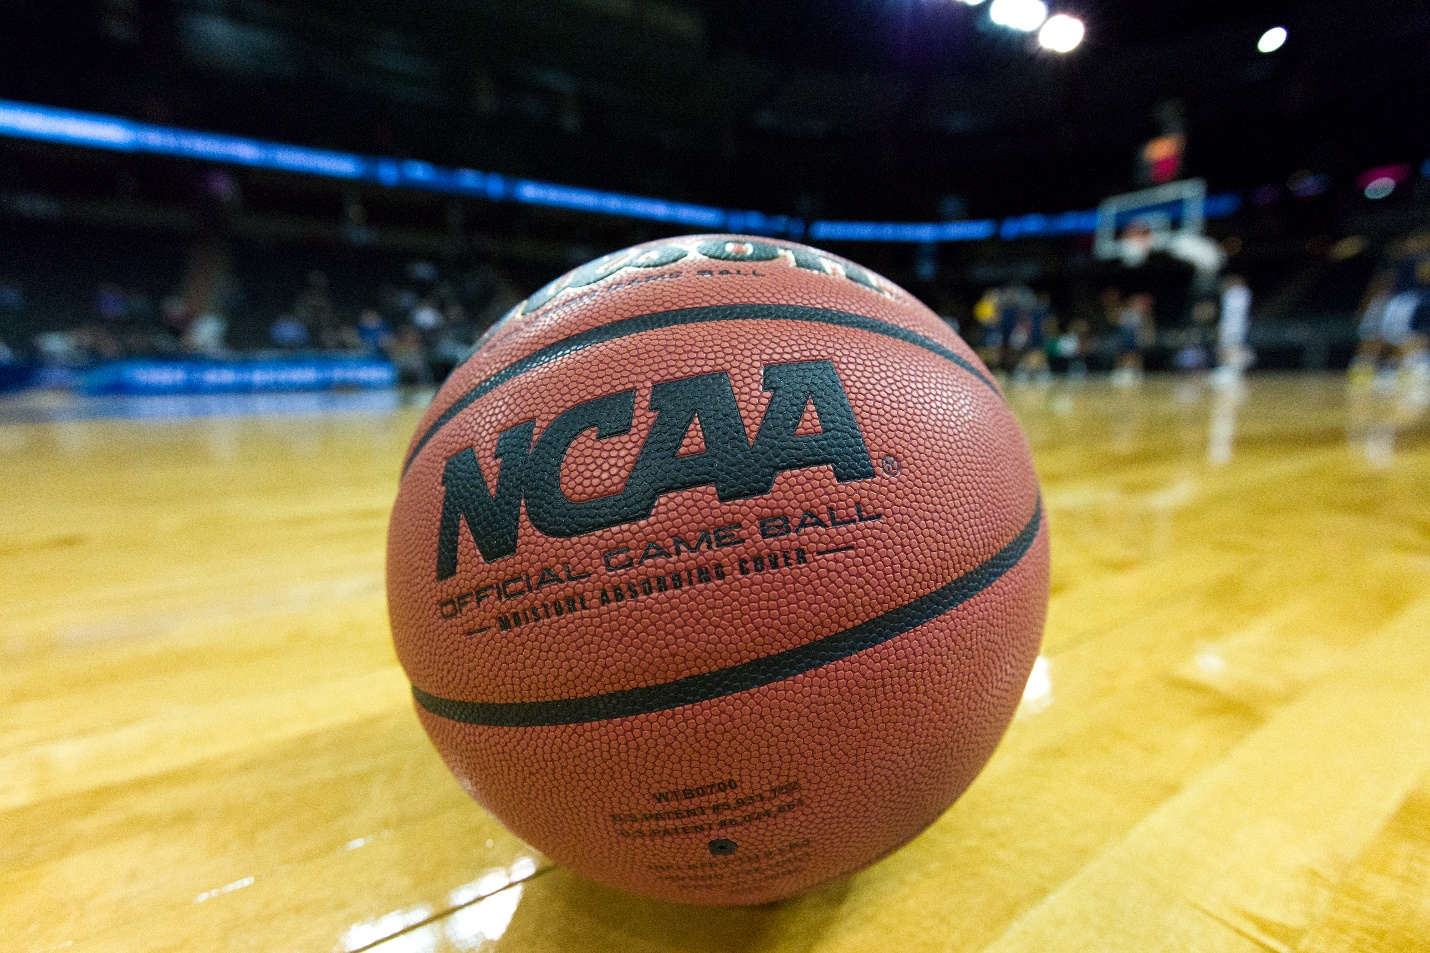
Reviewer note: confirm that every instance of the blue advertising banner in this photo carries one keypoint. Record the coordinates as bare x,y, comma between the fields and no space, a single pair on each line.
138,376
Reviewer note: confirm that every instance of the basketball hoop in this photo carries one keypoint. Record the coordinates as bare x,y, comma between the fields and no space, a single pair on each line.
1167,219
1131,227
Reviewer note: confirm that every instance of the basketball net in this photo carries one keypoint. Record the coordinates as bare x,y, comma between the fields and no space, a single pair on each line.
1144,237
1138,243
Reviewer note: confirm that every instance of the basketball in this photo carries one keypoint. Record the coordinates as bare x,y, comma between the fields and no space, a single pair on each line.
777,585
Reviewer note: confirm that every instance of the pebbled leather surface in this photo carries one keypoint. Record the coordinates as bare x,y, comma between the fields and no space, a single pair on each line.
829,667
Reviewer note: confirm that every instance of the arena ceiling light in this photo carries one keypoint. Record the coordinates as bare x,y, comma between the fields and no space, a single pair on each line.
1025,16
1272,40
1061,34
1379,188
1380,182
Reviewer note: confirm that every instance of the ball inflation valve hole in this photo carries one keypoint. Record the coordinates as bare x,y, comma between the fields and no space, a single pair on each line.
722,847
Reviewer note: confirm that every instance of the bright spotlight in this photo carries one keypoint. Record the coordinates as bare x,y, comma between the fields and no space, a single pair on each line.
971,3
1025,16
1061,33
1272,40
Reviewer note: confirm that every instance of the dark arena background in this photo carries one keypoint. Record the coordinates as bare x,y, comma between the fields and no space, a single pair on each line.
243,242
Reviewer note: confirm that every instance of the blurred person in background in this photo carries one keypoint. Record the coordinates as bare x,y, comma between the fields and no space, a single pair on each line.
985,309
140,331
426,317
314,308
1109,305
1195,351
1073,346
127,317
984,336
1401,327
1233,356
1372,349
1136,330
399,302
346,339
59,349
1036,326
1406,329
374,331
1015,307
1415,365
1103,326
111,303
288,333
12,305
1415,348
421,271
77,348
174,318
1395,318
98,343
12,299
410,358
452,342
427,322
204,335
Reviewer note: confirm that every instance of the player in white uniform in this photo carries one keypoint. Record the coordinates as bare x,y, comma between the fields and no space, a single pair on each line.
1405,328
1372,320
1397,319
1232,352
1395,329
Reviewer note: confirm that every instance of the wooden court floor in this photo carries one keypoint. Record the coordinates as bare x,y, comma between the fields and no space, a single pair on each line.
206,743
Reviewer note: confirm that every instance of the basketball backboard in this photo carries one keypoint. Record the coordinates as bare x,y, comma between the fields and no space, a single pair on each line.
1168,218
1160,212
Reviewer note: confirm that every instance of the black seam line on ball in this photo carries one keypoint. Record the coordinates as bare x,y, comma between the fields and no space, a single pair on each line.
669,319
747,675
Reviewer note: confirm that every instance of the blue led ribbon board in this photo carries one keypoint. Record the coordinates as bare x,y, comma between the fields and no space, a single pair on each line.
113,133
